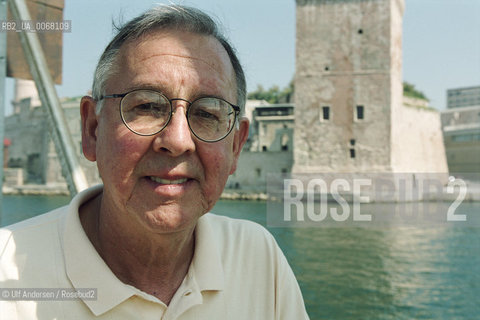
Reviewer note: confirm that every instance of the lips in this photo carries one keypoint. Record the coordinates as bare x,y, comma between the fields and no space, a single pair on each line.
168,181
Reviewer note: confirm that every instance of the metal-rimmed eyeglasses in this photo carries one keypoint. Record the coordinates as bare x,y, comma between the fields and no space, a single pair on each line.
147,112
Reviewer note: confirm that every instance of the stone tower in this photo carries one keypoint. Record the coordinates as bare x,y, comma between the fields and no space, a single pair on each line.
350,113
348,84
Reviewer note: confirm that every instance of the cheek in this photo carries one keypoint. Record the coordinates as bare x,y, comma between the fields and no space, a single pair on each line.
118,141
119,153
217,169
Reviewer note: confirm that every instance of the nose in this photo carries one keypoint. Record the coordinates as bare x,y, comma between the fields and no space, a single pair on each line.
176,138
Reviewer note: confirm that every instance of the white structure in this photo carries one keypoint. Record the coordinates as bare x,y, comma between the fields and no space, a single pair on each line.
463,97
25,89
461,131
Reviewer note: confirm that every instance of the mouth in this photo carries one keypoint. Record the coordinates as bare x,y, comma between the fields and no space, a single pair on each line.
168,181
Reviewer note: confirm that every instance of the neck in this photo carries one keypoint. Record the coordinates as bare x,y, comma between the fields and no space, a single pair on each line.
153,263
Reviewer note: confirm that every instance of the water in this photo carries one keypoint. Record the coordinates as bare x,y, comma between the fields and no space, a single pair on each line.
359,273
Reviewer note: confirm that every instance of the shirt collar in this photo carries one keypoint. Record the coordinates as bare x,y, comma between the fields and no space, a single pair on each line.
86,269
207,265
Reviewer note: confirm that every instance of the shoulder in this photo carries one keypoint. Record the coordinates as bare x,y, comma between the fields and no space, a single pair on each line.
31,229
241,240
255,268
30,248
48,226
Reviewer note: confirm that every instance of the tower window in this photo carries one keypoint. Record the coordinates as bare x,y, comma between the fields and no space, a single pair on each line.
360,113
352,153
360,31
352,142
285,140
325,113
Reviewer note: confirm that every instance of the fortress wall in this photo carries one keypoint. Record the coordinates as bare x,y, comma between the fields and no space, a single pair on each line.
254,167
418,141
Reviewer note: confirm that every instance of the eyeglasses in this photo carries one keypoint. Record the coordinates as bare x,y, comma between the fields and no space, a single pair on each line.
147,112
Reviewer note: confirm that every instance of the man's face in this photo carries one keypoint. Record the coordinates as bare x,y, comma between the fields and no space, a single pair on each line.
166,181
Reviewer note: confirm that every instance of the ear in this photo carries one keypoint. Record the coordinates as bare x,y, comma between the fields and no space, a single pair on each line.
89,127
241,136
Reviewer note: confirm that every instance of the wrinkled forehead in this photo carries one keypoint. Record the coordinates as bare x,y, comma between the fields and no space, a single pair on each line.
201,52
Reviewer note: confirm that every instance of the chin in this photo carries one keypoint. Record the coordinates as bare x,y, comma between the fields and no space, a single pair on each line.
168,220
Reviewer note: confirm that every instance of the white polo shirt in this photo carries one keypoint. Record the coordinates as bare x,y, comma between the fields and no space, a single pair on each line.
237,272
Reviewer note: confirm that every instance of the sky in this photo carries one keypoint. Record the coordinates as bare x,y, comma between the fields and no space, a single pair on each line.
441,41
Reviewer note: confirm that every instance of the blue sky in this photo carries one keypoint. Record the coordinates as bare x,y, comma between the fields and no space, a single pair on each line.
441,41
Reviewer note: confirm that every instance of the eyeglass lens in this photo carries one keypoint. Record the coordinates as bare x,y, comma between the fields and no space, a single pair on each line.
147,112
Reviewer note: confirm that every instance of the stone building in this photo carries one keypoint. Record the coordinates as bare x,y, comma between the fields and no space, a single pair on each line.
31,152
461,132
269,149
272,126
350,113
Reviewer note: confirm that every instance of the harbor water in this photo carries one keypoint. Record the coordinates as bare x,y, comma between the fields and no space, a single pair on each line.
358,273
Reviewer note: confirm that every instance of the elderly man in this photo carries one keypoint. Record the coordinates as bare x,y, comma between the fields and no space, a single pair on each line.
165,127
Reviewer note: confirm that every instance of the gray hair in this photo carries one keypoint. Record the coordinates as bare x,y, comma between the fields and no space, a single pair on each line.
165,17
